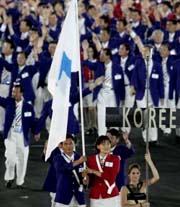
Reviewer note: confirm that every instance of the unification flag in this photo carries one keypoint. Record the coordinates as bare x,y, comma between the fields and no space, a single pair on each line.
66,60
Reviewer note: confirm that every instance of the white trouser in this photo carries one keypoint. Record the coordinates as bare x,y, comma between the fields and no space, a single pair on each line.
106,98
152,132
42,95
73,203
178,129
52,195
129,103
167,104
129,100
106,202
4,91
16,157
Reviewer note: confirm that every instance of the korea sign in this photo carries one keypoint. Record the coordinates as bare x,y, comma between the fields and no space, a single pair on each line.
138,117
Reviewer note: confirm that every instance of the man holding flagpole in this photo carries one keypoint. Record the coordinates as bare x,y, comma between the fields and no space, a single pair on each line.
66,60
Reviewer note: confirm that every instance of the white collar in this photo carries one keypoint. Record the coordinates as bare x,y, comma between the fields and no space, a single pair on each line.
123,59
70,158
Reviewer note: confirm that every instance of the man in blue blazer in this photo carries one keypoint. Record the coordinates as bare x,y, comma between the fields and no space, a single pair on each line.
175,88
125,151
68,167
147,78
167,61
19,119
111,91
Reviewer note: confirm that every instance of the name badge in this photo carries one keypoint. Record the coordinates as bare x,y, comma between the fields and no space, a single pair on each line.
155,76
25,75
81,169
80,188
27,114
130,67
114,51
108,164
117,76
18,129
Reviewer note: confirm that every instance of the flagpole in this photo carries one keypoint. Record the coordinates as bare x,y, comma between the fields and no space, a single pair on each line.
81,100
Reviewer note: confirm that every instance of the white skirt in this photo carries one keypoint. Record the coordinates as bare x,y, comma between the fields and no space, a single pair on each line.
73,203
105,202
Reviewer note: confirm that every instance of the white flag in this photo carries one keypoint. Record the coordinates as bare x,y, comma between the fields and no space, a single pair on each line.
66,60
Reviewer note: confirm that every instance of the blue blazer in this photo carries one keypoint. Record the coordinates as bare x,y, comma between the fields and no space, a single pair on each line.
67,185
44,67
51,180
169,64
117,79
175,43
175,82
28,119
124,153
25,78
155,81
129,66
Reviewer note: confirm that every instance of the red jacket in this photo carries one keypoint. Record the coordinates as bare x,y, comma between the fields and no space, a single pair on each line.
110,170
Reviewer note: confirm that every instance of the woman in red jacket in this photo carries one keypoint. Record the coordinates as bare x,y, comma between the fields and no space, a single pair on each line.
103,169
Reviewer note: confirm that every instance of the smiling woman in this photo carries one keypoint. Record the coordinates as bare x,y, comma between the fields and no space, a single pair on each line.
103,169
134,194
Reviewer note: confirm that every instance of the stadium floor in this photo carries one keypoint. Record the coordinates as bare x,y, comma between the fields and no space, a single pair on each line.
166,193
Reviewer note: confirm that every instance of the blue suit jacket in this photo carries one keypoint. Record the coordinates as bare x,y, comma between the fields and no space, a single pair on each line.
155,81
129,66
175,82
28,119
175,43
44,67
117,79
51,180
67,185
25,78
124,153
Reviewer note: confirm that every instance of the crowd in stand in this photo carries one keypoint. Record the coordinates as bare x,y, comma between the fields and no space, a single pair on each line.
129,49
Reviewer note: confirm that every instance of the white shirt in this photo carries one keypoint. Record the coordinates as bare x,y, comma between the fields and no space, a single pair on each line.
165,72
148,69
171,36
135,24
105,44
8,58
24,35
107,84
121,34
6,75
17,122
21,68
123,63
157,46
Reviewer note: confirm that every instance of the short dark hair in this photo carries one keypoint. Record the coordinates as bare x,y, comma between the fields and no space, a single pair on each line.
108,52
123,21
23,53
127,46
28,22
10,41
105,18
68,136
136,11
166,45
100,140
17,84
114,132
